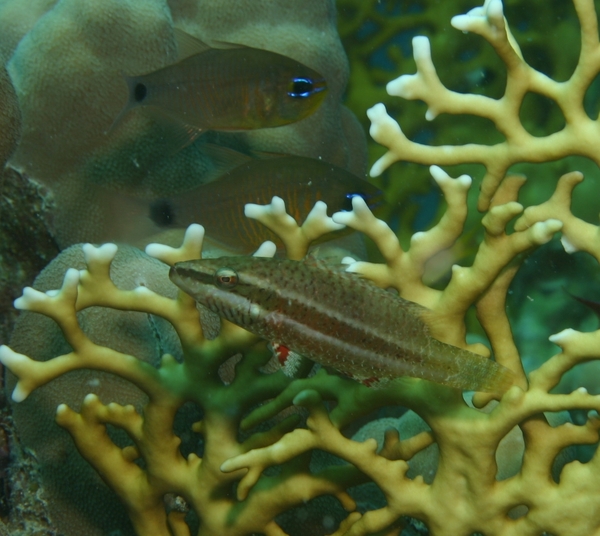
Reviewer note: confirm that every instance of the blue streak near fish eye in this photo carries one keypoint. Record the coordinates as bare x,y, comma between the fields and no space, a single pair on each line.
305,87
351,195
365,196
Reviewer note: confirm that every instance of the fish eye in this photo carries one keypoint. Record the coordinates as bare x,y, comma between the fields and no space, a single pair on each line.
301,88
139,92
226,278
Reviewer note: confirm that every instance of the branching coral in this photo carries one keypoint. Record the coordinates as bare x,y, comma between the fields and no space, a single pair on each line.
377,37
467,438
464,496
206,489
578,137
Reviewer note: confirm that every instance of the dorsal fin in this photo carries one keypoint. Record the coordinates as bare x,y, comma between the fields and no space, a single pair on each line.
188,45
225,45
226,155
322,258
266,155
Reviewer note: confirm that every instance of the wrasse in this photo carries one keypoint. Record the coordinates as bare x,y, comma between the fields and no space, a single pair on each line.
233,88
299,181
334,318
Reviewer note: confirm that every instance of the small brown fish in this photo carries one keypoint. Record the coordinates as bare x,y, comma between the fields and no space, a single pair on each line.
233,88
299,181
334,318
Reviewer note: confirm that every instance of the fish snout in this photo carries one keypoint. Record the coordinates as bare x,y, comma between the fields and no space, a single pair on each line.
174,274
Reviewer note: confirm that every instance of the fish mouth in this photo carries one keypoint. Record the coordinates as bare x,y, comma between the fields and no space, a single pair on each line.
174,275
183,279
180,275
190,276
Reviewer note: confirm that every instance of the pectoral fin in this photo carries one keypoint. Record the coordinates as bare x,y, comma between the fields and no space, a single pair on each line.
176,134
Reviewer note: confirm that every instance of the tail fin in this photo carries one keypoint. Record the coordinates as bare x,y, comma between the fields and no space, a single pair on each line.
498,380
478,373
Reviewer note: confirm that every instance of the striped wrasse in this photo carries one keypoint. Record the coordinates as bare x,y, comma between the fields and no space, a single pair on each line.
334,318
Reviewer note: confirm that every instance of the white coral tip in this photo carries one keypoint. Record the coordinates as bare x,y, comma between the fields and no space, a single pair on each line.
462,22
562,337
568,245
19,394
377,168
382,125
194,235
355,267
421,48
71,279
90,398
438,174
495,10
441,177
419,236
251,210
142,290
465,22
542,231
103,254
319,214
8,356
359,207
399,87
157,251
276,207
266,249
29,297
377,112
192,239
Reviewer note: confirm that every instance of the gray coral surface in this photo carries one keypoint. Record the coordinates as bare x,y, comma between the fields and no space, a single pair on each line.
68,75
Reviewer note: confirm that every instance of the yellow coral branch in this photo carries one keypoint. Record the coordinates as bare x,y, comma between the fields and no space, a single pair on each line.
580,135
296,238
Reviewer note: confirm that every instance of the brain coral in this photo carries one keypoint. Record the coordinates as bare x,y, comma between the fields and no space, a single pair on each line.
67,74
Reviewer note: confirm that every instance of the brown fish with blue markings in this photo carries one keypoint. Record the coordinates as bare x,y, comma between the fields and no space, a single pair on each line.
226,89
299,181
334,318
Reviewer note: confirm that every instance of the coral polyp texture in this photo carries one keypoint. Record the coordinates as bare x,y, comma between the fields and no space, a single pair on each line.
266,445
